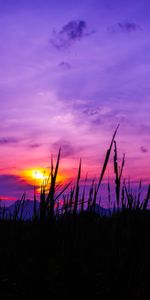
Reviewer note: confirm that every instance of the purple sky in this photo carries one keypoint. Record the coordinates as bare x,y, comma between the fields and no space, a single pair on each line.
70,71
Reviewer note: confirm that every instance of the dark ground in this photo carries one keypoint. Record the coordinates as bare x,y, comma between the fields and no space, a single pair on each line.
82,256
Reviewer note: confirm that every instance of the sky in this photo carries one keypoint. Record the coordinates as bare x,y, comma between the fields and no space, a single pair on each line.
70,71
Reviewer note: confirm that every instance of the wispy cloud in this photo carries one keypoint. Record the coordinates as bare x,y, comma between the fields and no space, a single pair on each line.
67,149
71,32
64,65
13,183
127,27
32,146
8,140
143,149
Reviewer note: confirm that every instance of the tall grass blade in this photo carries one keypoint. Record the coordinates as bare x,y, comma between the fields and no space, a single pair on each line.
77,189
106,159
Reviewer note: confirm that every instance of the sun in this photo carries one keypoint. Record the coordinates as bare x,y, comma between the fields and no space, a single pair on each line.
39,175
36,176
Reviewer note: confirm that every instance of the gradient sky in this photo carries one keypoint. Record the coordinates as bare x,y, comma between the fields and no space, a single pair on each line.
70,71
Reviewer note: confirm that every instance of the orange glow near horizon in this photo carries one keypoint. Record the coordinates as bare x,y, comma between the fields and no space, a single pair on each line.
38,176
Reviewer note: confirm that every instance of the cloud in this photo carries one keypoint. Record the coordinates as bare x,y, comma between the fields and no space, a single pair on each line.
8,140
98,114
73,31
13,183
32,146
64,65
125,27
66,148
91,111
143,149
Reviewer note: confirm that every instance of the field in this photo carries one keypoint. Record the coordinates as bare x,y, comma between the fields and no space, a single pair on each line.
85,255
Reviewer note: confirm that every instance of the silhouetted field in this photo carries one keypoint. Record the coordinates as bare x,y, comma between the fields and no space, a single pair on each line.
83,255
71,250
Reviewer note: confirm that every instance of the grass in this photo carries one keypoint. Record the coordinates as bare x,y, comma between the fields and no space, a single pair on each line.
77,255
68,250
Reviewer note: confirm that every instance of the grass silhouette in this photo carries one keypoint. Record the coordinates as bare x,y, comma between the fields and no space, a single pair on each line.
70,250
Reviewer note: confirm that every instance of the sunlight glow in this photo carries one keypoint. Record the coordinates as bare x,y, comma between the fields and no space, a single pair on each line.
38,176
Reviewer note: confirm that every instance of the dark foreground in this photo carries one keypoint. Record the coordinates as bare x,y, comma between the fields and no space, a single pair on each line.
82,256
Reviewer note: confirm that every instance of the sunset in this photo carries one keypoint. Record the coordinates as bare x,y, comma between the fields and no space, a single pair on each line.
68,76
75,146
